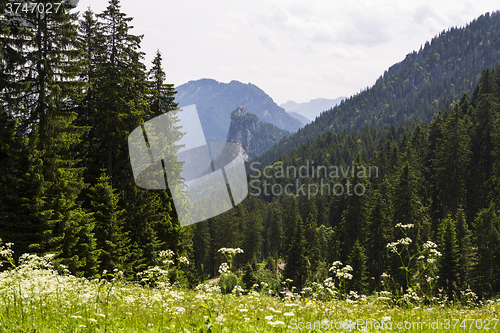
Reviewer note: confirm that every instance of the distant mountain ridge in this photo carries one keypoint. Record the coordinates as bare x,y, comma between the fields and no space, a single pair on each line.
216,100
251,134
313,108
414,89
299,117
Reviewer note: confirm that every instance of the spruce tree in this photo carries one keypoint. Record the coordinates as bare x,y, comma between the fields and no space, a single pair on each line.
18,188
296,260
312,243
162,95
482,144
452,162
45,53
464,240
202,249
449,266
109,219
379,233
357,260
487,242
354,214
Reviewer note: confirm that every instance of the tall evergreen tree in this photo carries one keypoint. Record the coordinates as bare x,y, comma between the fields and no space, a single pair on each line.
296,260
452,162
357,260
482,144
47,56
110,236
449,268
379,233
464,240
162,95
487,241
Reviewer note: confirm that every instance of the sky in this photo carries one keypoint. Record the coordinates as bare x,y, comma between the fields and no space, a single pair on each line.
291,49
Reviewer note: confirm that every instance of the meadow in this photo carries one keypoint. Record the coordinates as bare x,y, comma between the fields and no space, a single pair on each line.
35,297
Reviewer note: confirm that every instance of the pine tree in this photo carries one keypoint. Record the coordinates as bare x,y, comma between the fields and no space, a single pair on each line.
249,278
379,233
449,268
275,231
354,215
296,260
482,144
357,260
162,95
45,53
202,249
312,243
408,209
252,237
452,162
18,188
110,237
291,222
464,249
487,241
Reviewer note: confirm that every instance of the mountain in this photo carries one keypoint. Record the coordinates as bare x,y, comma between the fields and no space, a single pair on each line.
313,108
216,100
252,135
414,89
299,117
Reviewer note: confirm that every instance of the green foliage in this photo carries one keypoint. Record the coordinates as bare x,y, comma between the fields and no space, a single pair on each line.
413,89
449,263
249,278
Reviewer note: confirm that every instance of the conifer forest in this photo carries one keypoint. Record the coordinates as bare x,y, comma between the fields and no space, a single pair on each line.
391,198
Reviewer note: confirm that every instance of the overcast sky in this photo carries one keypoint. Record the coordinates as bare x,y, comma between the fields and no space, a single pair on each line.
293,50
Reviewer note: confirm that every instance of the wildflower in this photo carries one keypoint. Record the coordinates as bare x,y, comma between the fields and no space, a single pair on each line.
183,260
404,226
230,250
288,314
224,268
237,290
277,322
220,319
430,245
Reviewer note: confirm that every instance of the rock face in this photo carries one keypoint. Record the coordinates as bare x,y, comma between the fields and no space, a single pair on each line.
242,128
251,134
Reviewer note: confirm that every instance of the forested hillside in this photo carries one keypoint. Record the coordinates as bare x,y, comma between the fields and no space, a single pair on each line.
407,209
70,93
431,205
414,89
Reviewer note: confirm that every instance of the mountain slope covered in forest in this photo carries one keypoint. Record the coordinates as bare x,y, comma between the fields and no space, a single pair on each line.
415,88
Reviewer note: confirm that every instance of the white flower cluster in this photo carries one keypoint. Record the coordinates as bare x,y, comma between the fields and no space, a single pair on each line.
433,252
403,241
230,250
237,290
404,226
183,260
224,268
430,245
208,288
410,296
341,273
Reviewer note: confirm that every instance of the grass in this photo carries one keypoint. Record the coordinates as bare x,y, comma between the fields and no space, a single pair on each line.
35,298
